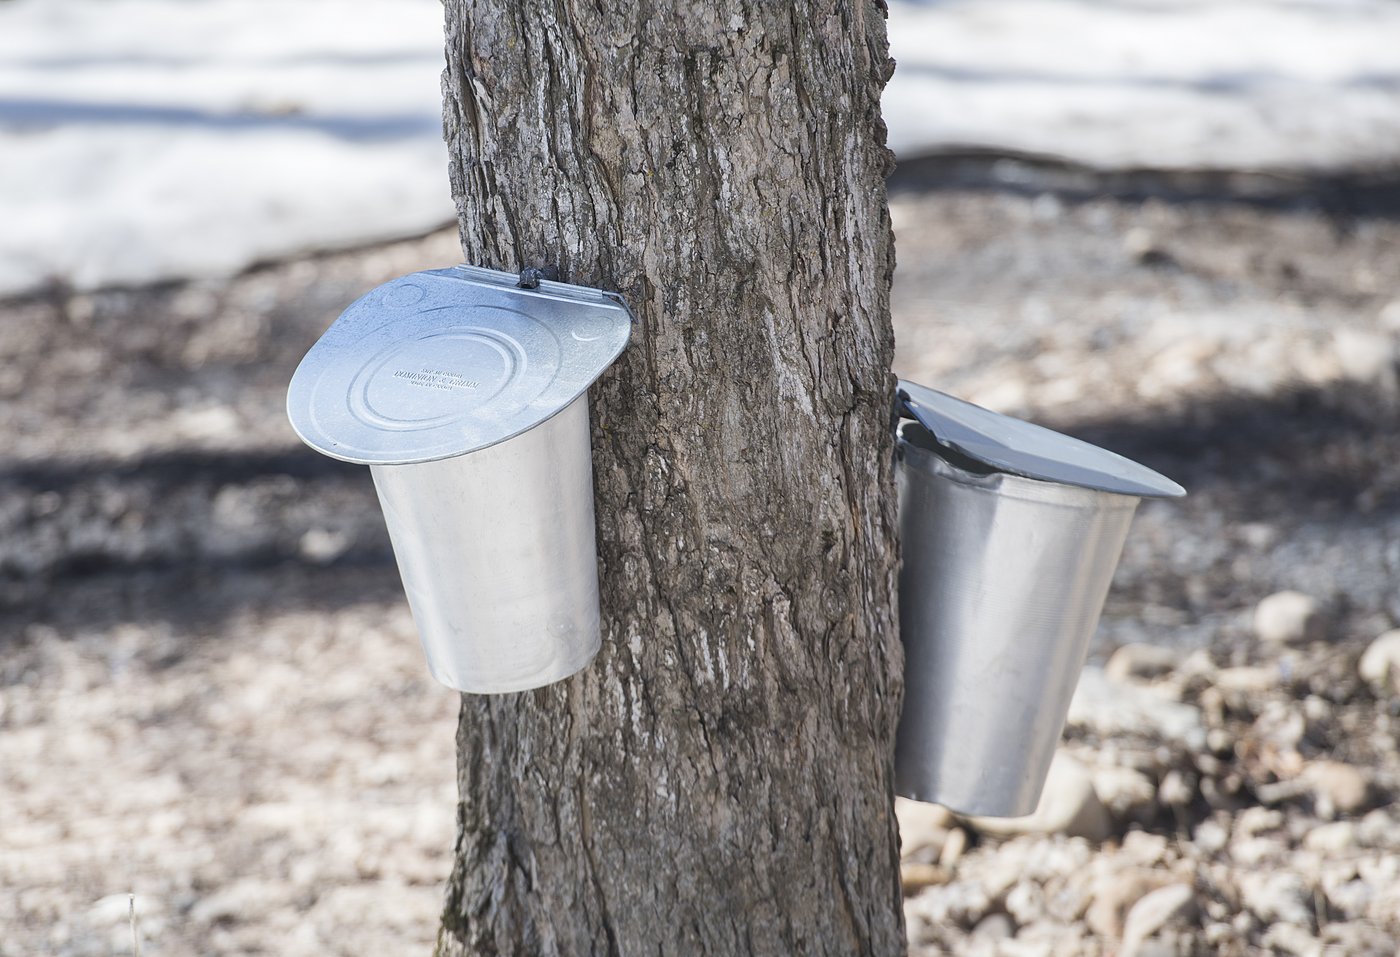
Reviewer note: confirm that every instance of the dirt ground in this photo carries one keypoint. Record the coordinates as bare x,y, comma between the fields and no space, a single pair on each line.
211,694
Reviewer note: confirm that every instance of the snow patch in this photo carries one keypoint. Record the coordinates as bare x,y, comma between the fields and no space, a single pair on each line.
143,140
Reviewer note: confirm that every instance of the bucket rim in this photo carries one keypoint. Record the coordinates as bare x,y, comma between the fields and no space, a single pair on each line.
1017,447
930,462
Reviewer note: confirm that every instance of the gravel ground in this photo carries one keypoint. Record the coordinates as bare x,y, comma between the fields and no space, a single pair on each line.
210,692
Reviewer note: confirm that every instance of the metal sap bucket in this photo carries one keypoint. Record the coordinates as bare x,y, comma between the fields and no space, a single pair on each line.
467,397
1011,534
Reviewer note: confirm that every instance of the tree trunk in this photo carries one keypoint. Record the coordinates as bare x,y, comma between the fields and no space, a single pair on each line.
719,780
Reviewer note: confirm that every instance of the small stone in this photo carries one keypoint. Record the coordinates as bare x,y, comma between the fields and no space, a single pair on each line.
1218,934
953,849
1383,869
994,927
1366,357
1255,852
1289,618
1378,829
1280,791
1129,795
1140,847
1255,820
1197,664
1281,725
1337,788
1173,904
1211,836
1068,805
1026,948
1380,663
1316,710
1139,662
1174,790
1247,679
1277,897
322,547
1335,838
922,827
1390,315
1025,902
1114,894
1357,939
1109,709
958,904
915,876
1291,939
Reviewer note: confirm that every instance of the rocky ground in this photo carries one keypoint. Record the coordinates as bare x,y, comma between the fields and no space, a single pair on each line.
210,692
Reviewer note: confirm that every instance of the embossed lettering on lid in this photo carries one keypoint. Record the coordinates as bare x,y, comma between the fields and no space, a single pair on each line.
1021,448
442,363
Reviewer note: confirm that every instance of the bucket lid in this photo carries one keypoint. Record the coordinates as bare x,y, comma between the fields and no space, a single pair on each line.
1015,446
441,363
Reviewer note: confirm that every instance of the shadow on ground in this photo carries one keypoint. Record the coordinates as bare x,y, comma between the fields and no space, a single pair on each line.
195,537
1342,195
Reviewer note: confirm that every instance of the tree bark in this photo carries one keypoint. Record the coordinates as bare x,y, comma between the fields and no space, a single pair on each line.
719,781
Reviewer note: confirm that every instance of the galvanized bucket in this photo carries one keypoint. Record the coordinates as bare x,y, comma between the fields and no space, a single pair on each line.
1011,534
467,397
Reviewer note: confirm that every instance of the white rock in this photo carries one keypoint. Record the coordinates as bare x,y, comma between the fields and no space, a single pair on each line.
1255,852
1025,902
1291,939
1335,838
1281,725
1068,805
1175,903
1110,709
953,849
1289,618
915,876
322,546
1380,664
1378,829
1337,788
994,927
1140,847
1026,948
1390,315
1255,820
1175,791
961,904
1115,891
1130,795
1211,836
1219,934
1357,939
1365,356
1220,741
1140,662
1278,897
922,827
1246,679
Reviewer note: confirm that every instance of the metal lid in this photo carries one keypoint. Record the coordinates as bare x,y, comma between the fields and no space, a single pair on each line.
1012,445
441,363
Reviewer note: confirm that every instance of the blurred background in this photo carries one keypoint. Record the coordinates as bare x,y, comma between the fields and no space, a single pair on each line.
1171,228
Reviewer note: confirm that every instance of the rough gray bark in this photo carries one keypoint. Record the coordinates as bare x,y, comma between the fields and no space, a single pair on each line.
719,781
